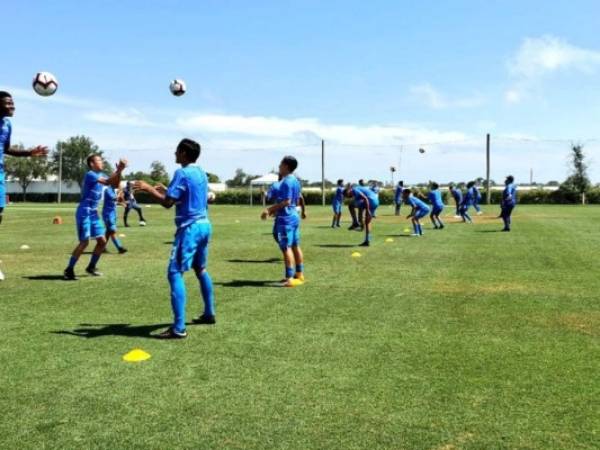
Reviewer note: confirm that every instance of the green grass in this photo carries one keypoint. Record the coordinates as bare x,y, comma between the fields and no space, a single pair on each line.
464,338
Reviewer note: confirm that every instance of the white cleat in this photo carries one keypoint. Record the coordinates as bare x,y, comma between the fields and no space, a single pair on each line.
1,276
415,235
480,213
142,224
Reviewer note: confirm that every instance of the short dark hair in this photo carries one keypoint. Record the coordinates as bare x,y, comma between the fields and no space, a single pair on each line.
510,179
470,184
406,191
4,94
401,183
340,182
89,159
290,162
190,148
434,185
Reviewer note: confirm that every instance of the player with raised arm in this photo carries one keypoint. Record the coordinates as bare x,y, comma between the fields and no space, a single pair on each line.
89,224
188,191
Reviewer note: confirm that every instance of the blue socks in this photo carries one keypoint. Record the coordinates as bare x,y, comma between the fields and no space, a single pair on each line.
289,272
206,287
299,268
72,262
117,243
94,260
178,300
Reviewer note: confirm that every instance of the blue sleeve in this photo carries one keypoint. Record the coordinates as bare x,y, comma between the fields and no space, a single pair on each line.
177,186
285,191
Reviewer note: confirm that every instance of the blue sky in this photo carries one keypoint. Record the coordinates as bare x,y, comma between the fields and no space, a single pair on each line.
376,80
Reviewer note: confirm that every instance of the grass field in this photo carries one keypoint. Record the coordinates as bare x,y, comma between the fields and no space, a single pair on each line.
465,338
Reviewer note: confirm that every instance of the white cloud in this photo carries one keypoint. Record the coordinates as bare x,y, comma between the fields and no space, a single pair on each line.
541,56
129,117
426,93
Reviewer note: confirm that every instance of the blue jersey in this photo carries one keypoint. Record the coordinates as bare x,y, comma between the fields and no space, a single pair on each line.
128,195
91,192
339,195
417,203
110,202
398,194
477,194
435,198
5,132
272,192
469,198
368,192
189,189
289,189
509,195
457,195
376,189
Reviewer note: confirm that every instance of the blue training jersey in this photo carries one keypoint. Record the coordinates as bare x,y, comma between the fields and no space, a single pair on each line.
398,194
477,194
189,189
289,189
509,195
368,192
5,132
91,190
469,198
109,206
435,198
272,191
457,195
417,203
339,195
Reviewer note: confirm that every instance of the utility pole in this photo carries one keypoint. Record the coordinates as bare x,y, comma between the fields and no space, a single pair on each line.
531,177
488,190
60,174
323,170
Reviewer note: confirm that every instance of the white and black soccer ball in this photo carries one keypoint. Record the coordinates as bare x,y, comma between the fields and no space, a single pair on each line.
211,197
421,150
45,84
177,88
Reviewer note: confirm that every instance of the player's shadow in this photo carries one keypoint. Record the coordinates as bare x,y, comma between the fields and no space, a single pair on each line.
336,245
488,231
90,330
249,283
398,235
45,277
168,242
255,261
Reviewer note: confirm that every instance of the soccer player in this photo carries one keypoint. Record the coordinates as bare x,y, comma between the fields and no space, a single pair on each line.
467,202
338,201
457,196
131,203
509,201
89,224
437,206
419,210
271,197
398,196
188,191
7,109
109,216
477,199
366,199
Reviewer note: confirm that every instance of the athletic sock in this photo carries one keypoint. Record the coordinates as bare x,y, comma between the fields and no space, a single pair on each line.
299,268
289,272
206,287
178,300
94,260
72,262
117,243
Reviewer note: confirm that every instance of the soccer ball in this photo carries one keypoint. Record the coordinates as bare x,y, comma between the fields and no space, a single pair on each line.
421,150
177,88
45,84
211,197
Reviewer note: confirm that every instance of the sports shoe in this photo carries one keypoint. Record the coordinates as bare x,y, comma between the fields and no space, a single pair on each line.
353,226
69,274
205,320
292,282
142,224
441,227
479,213
170,333
415,235
1,276
365,244
299,276
122,250
93,271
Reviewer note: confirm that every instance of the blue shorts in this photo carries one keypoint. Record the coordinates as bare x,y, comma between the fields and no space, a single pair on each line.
373,208
437,210
337,207
190,248
288,236
2,194
420,213
89,226
110,221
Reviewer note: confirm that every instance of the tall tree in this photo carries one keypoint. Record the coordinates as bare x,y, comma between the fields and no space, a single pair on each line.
25,170
75,150
578,182
240,179
158,173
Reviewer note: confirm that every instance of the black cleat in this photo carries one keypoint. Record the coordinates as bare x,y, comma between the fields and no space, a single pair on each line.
122,250
353,227
365,244
170,333
93,271
205,320
69,274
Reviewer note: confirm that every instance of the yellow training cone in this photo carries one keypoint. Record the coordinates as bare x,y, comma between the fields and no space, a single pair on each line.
121,235
389,240
136,355
406,230
356,255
